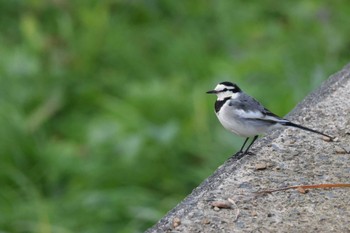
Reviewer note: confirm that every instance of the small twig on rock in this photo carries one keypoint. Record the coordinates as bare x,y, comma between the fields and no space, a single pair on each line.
238,212
304,187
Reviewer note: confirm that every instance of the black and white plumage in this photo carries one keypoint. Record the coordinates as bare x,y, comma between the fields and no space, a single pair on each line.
244,116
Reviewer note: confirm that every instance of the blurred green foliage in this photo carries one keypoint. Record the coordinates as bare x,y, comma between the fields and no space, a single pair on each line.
105,124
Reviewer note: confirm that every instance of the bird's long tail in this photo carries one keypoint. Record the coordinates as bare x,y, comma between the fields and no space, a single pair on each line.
288,123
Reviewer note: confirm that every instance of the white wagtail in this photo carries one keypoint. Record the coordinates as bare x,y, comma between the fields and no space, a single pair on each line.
244,116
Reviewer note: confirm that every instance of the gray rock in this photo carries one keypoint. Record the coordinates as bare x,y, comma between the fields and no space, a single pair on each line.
319,210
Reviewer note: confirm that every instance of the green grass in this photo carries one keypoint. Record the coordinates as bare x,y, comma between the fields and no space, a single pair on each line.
105,124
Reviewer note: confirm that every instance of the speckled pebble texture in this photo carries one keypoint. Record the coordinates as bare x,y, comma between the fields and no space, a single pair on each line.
282,158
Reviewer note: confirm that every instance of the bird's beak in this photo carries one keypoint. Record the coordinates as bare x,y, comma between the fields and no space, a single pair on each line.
212,92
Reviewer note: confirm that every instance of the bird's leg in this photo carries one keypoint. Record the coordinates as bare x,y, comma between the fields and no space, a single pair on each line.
255,137
241,150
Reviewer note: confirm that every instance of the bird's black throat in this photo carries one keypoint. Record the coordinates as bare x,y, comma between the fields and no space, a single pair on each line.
219,103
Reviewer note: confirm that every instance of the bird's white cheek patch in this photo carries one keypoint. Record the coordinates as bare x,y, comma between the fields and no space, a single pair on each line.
223,95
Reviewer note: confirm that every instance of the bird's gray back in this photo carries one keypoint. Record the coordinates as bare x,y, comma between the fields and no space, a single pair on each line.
246,103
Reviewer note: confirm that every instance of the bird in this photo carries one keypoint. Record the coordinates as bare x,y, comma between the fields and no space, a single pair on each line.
244,116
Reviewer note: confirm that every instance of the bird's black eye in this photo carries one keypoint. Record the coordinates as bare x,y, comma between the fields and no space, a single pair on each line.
225,89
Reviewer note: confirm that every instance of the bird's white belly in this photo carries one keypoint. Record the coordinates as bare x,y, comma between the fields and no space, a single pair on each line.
240,126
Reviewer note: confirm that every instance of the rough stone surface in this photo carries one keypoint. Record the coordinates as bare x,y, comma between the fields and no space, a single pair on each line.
293,157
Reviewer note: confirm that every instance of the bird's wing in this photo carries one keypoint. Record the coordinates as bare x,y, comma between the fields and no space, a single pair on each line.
269,116
249,108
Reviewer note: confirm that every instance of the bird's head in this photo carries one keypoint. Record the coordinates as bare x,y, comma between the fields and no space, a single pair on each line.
224,90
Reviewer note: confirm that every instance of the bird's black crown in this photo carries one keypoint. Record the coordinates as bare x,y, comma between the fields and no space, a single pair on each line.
231,86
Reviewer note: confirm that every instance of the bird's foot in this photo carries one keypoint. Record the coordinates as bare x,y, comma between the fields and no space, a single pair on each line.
249,153
242,153
238,153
